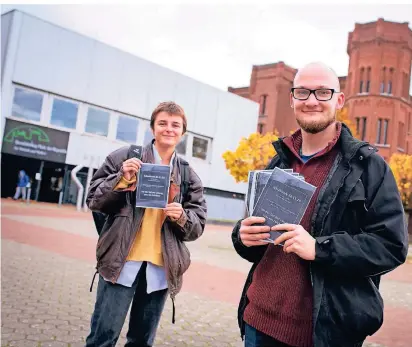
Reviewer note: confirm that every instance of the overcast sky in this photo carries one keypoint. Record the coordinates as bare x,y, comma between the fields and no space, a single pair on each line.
218,44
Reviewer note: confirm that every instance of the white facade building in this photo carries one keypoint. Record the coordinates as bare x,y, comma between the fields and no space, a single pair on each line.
87,99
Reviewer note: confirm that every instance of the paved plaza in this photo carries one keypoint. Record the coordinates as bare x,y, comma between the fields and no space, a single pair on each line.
48,258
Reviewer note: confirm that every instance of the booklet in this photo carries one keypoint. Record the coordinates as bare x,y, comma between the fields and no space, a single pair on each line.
284,199
298,176
257,180
260,179
249,191
153,185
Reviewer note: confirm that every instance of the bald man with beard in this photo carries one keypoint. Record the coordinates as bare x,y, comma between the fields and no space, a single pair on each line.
321,288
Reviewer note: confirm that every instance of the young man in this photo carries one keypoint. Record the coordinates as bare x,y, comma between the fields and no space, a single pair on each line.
321,288
141,255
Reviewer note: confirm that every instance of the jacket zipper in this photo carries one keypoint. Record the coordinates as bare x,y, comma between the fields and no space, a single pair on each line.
324,218
333,200
340,186
312,224
323,189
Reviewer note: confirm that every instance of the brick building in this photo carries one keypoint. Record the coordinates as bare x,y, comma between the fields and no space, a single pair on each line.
376,88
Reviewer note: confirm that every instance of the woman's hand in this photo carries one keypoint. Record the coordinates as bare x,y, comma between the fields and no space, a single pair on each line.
174,211
131,167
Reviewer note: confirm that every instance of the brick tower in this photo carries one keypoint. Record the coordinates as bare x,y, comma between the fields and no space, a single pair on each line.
378,83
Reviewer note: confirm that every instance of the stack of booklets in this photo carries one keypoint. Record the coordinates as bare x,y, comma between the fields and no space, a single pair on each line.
281,196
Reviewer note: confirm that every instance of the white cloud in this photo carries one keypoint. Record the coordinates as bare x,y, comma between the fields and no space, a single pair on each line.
218,44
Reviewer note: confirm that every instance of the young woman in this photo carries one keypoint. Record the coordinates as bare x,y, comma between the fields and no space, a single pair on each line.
141,255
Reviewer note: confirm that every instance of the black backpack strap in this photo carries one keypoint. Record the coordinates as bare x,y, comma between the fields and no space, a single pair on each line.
184,185
135,152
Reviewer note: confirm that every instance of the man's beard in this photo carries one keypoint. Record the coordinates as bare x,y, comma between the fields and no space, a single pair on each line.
314,127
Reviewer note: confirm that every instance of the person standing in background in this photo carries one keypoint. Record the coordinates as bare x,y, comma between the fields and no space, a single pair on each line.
22,182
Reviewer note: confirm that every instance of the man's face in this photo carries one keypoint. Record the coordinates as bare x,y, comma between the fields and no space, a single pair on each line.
314,115
168,129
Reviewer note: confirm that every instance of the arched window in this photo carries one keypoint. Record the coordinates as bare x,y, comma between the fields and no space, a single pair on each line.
383,78
389,89
362,73
263,100
368,80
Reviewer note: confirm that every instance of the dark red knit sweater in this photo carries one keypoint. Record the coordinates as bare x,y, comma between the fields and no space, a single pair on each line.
280,294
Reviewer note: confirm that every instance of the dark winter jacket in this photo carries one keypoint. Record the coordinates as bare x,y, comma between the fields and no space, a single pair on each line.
124,221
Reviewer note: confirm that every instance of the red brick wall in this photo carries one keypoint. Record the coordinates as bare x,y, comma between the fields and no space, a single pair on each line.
272,82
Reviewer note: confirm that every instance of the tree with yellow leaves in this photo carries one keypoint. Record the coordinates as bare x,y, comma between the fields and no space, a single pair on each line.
343,116
401,165
253,153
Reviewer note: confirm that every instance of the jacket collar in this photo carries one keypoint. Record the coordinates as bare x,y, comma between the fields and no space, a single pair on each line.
348,145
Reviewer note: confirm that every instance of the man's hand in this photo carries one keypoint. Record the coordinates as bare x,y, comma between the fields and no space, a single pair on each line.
174,211
298,240
253,235
131,167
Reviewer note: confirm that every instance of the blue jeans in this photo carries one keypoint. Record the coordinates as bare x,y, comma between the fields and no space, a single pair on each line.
113,302
255,338
22,191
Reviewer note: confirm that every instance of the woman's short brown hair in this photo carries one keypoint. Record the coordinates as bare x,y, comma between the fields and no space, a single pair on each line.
171,108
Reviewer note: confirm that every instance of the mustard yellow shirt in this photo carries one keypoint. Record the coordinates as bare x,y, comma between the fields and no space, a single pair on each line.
147,245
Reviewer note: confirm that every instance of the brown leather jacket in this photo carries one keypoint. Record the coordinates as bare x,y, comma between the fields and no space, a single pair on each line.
124,221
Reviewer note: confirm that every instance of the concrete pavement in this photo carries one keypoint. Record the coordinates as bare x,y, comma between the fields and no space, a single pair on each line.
48,263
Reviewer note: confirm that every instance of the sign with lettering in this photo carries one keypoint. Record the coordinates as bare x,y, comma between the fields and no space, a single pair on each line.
34,141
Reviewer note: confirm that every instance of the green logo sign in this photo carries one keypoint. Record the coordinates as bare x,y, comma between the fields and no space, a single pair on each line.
28,133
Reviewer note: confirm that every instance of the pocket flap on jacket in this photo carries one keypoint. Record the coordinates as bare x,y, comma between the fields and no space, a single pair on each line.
357,193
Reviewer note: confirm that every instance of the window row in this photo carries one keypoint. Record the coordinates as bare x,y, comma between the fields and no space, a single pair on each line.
386,78
28,104
381,130
64,113
365,80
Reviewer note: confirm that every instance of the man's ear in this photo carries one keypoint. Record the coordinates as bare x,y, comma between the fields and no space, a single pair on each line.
341,101
291,100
